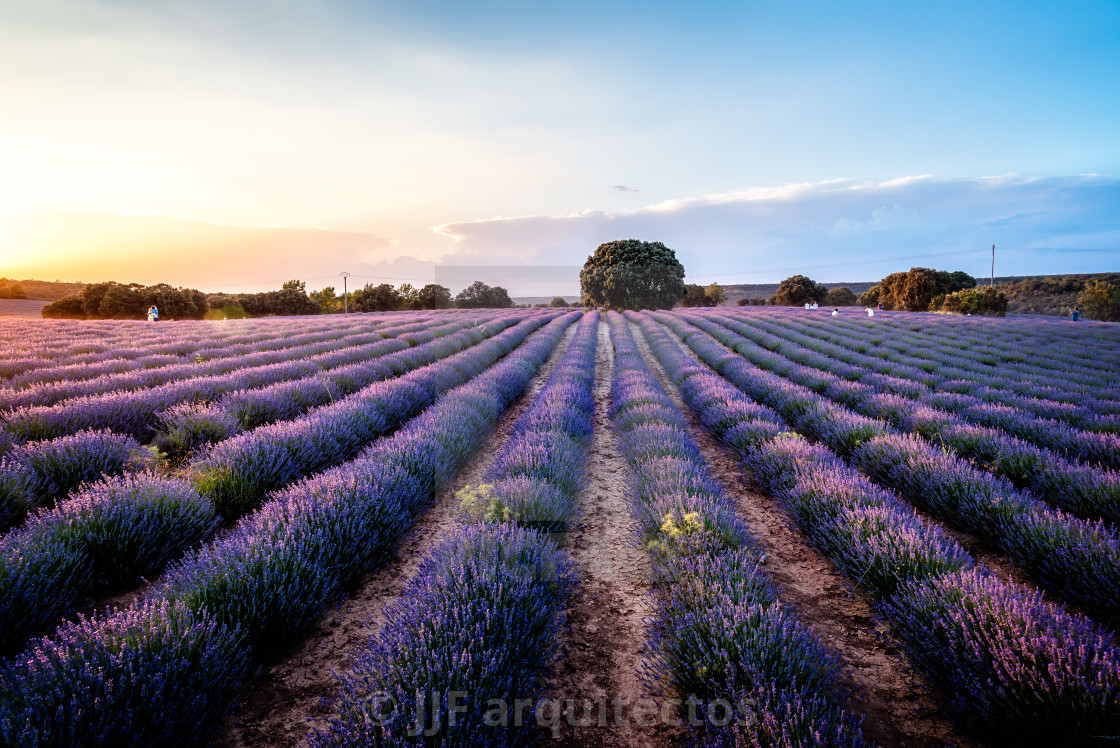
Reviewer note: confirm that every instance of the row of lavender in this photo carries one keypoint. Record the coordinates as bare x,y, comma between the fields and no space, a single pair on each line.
745,670
478,623
1065,371
994,341
32,346
37,473
1076,558
926,349
998,342
52,340
908,358
988,394
1089,491
1089,440
139,358
165,671
79,380
115,531
1014,668
127,403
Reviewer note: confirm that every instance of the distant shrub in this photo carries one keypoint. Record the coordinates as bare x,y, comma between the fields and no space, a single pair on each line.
971,301
12,291
478,295
68,307
381,298
840,296
914,289
798,290
697,295
232,310
1101,301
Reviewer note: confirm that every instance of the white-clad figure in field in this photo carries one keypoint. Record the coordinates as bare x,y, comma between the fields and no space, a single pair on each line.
153,313
870,312
836,312
806,306
814,306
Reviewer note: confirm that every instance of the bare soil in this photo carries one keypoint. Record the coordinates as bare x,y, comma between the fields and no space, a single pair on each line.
999,563
900,708
21,309
598,678
293,689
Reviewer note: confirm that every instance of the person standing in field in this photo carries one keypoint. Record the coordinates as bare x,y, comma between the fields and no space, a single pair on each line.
153,313
870,312
1075,314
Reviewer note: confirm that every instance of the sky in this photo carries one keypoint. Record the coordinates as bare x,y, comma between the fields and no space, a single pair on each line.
232,146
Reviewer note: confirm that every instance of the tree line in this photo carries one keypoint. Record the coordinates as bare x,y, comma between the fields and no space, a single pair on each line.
1098,294
916,290
111,300
623,274
386,298
11,289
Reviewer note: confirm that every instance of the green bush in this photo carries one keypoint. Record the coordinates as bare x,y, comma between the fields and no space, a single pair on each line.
632,274
971,301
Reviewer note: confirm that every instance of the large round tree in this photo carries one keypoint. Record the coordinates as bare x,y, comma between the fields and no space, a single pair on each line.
632,274
799,289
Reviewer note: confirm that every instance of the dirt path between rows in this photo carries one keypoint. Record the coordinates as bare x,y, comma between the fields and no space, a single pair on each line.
984,553
604,638
292,691
900,708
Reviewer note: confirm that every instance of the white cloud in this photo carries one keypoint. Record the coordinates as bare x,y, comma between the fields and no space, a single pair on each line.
836,230
839,230
885,218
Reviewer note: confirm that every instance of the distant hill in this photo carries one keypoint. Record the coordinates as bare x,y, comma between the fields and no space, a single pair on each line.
45,290
766,290
1047,294
533,300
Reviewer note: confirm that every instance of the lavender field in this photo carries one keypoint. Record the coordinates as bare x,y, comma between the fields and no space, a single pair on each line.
709,527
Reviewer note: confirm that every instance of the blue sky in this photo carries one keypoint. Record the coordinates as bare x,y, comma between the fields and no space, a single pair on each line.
848,139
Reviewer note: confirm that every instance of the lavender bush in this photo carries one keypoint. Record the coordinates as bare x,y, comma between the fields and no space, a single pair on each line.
107,535
154,675
477,621
720,633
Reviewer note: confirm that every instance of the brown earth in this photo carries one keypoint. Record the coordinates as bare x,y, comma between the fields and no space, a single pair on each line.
604,640
900,708
292,690
21,309
982,553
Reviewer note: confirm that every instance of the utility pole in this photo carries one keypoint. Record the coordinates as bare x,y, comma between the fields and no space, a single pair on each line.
346,297
992,282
